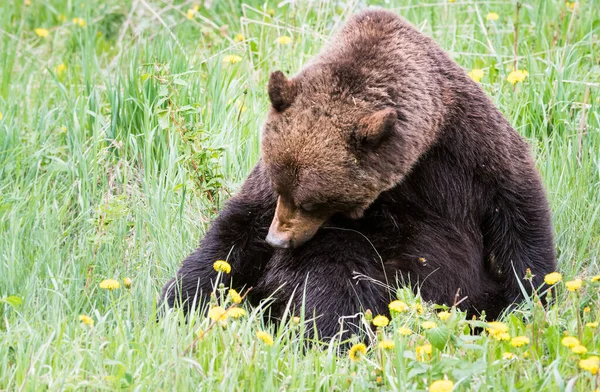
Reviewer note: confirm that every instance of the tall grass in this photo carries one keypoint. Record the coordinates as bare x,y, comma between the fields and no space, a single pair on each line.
121,137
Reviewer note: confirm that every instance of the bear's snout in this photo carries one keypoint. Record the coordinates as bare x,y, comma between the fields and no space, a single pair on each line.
279,240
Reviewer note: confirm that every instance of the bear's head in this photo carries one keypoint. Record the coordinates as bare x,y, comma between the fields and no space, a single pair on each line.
327,151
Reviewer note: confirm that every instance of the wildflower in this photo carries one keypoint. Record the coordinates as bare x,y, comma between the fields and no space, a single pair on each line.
496,327
591,364
592,325
232,59
356,351
441,386
597,277
283,40
403,331
236,313
380,321
1,116
571,5
515,77
200,333
444,315
109,284
42,32
127,283
492,16
574,285
587,309
217,313
508,356
296,320
271,12
451,1
553,278
476,75
579,349
79,22
87,320
235,297
196,7
519,341
570,341
59,69
526,354
428,325
386,344
238,38
190,13
222,266
423,350
502,336
265,337
418,308
398,306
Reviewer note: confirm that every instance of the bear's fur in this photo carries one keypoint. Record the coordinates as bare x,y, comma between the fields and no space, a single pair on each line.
382,162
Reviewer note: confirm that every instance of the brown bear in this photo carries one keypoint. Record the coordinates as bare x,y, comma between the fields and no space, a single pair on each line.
382,163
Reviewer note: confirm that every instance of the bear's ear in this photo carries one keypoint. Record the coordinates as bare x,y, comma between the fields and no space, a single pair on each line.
374,127
282,91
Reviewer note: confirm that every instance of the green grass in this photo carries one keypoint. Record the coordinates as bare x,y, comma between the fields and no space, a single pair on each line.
113,166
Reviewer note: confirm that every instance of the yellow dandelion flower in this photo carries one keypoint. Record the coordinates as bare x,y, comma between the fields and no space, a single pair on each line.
451,1
553,278
579,349
587,309
519,341
526,354
127,283
190,13
42,32
428,325
27,2
398,306
109,284
238,37
79,22
87,320
508,356
571,5
296,320
574,285
196,7
403,331
217,313
502,336
271,12
356,351
570,341
235,297
417,308
592,325
284,40
1,116
386,344
265,337
476,74
496,327
380,321
236,313
222,266
232,59
591,364
444,316
515,77
597,277
422,351
492,16
59,69
441,386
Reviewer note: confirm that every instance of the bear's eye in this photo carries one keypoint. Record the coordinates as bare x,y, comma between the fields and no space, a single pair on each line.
309,207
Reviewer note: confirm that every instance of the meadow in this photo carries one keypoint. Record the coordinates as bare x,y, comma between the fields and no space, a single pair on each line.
126,124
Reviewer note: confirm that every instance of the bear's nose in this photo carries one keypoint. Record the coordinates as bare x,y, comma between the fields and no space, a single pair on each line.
279,240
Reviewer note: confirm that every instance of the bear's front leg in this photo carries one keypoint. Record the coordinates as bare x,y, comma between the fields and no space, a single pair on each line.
238,236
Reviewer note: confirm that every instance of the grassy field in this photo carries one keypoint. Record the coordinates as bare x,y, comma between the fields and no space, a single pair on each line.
126,124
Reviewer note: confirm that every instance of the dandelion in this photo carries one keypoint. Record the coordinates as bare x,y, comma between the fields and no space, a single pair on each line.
386,344
597,277
222,266
236,313
196,7
492,16
217,313
403,331
592,325
519,341
59,69
271,12
574,285
109,284
87,320
444,316
507,356
398,306
587,309
515,77
476,75
127,283
380,321
190,13
356,351
284,40
571,5
591,364
422,351
417,308
232,59
570,341
496,327
428,325
42,32
296,320
238,38
441,386
579,349
79,22
235,297
553,278
1,115
265,337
